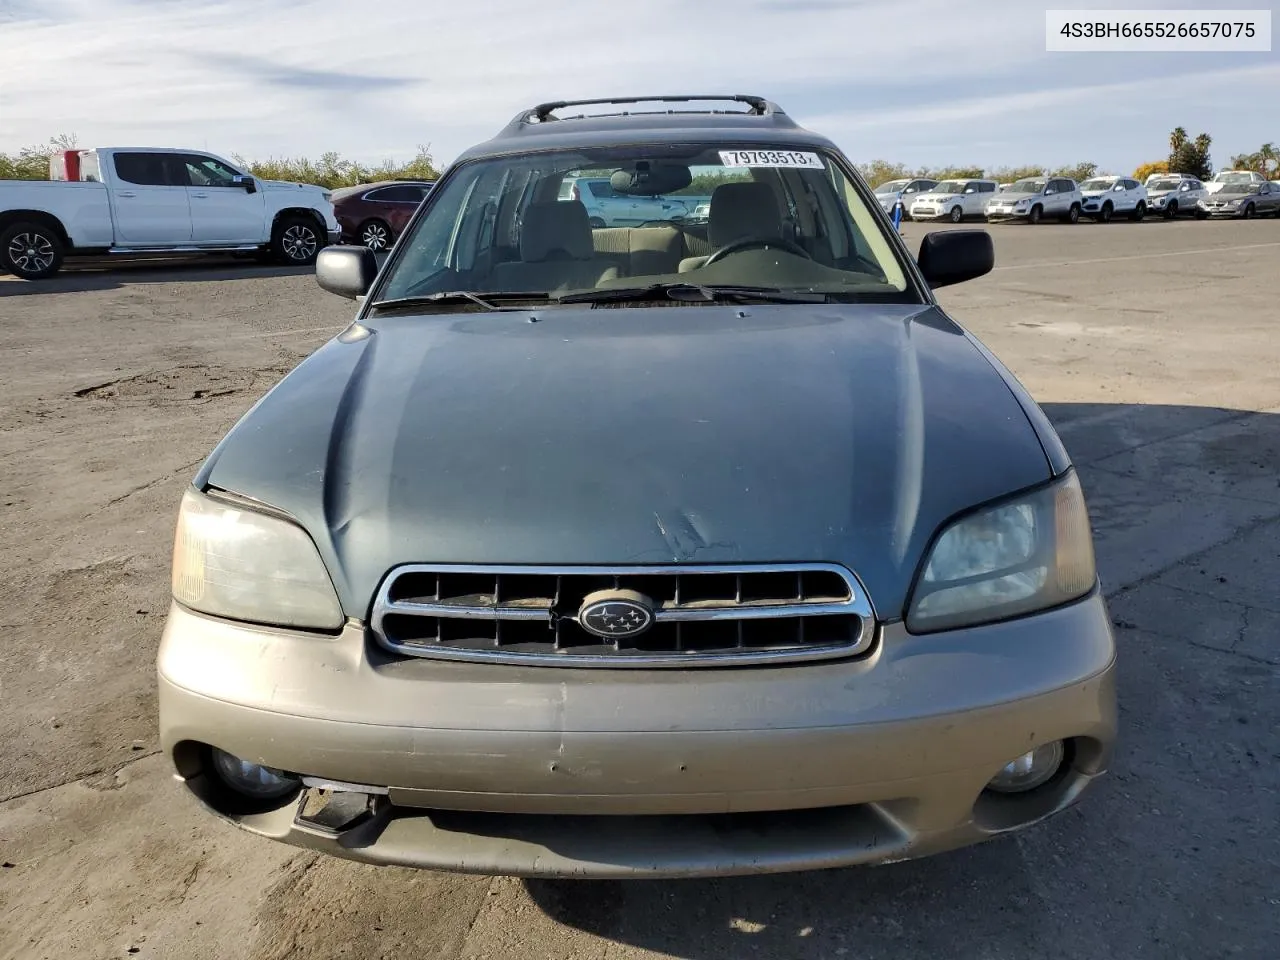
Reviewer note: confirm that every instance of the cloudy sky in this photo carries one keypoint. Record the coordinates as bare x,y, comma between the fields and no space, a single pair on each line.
916,81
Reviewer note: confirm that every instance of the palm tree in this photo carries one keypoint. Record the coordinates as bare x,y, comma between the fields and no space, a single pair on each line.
1268,159
1177,139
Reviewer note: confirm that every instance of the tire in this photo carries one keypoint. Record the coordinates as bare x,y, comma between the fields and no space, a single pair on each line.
1171,211
1037,212
597,223
1073,215
1108,211
31,250
1139,212
296,241
957,215
376,235
1248,212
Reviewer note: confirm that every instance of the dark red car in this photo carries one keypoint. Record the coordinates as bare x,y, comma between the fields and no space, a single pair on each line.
374,213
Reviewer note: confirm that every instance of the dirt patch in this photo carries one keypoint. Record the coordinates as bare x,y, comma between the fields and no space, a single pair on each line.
186,383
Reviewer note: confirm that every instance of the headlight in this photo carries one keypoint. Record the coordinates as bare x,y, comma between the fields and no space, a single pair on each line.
1025,554
243,564
1021,205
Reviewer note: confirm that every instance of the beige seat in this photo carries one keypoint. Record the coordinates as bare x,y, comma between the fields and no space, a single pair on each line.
556,252
639,251
739,211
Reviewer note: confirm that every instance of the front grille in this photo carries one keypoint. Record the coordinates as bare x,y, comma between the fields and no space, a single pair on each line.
700,616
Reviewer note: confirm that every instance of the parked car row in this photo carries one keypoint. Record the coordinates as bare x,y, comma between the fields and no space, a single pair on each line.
1232,193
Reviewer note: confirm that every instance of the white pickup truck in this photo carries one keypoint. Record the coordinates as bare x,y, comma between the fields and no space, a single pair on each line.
141,201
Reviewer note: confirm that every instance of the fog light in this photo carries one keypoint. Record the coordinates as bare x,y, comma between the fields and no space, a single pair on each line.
1030,770
252,779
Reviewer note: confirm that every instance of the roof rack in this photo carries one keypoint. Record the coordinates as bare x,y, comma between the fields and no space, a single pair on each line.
759,106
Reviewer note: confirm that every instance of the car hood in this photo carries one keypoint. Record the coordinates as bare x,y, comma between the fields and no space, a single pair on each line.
704,434
277,185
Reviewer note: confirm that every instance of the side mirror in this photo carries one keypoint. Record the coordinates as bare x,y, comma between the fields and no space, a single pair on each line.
246,183
954,256
348,271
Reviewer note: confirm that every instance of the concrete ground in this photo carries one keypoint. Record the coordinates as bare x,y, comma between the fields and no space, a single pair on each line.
1154,347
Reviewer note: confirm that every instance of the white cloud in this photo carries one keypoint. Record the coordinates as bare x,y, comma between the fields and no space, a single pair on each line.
270,78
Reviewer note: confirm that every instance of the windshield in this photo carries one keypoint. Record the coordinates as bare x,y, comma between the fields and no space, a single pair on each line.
1234,178
779,219
893,186
1029,185
1097,185
950,186
1165,185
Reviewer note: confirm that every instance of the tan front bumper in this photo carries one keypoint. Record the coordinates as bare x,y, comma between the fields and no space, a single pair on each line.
703,771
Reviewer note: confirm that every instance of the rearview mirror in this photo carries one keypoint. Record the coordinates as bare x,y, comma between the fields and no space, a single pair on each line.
348,271
954,256
246,182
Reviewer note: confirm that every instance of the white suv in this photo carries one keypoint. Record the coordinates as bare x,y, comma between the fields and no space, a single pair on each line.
953,199
1104,197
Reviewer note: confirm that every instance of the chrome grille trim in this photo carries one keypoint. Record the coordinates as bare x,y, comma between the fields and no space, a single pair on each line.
675,612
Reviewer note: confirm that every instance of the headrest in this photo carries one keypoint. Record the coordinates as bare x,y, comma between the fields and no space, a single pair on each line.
556,230
740,210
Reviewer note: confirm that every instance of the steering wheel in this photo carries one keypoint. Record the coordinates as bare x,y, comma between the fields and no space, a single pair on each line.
751,243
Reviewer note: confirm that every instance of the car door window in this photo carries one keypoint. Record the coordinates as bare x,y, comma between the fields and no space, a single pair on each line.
147,170
398,194
207,172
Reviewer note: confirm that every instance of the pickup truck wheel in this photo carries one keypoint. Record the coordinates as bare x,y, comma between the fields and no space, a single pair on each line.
375,235
296,241
31,251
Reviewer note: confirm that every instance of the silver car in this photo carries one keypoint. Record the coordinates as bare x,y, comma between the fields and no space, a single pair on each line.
1034,198
905,190
1171,197
1243,200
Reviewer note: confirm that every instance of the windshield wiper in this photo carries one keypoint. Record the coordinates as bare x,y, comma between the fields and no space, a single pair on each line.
450,297
694,293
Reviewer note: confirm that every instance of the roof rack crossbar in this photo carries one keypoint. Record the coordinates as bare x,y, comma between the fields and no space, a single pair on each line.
759,105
